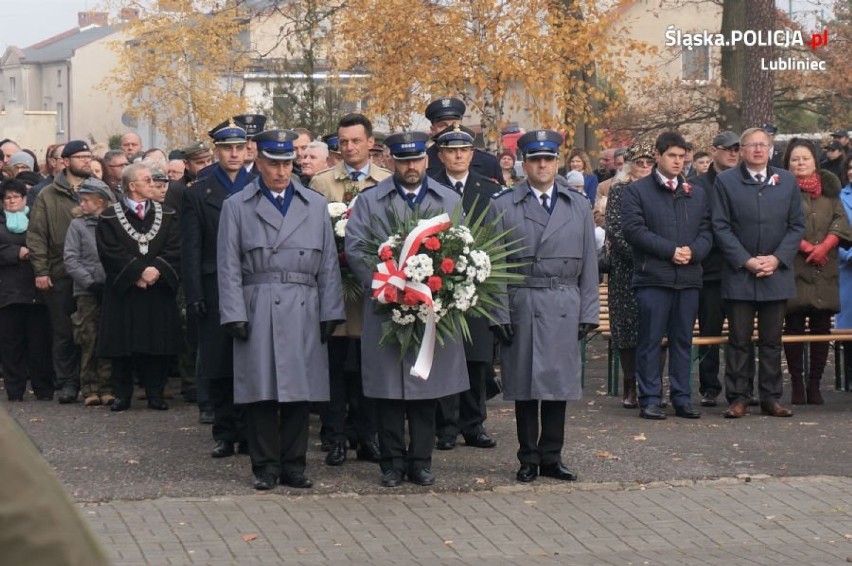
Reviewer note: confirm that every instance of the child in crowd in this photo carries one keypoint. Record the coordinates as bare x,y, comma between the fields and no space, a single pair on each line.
85,269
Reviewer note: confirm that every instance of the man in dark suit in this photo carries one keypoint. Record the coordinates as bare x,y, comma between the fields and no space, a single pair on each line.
446,112
465,412
199,224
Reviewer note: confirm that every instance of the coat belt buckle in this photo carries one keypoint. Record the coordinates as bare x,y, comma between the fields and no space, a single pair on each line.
554,283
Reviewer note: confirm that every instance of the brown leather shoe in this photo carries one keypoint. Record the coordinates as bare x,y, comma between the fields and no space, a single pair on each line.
775,409
736,410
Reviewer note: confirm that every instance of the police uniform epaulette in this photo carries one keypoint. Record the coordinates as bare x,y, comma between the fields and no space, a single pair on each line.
499,194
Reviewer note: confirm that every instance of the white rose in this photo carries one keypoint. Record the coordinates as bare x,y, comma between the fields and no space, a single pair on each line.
336,209
340,228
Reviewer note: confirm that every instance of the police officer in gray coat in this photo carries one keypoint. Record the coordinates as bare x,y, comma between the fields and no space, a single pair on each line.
552,309
398,394
280,297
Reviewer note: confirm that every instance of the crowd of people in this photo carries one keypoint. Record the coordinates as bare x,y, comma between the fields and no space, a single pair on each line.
114,261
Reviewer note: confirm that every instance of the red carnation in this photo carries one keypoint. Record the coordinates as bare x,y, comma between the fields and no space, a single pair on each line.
410,298
434,283
447,265
390,294
385,253
432,243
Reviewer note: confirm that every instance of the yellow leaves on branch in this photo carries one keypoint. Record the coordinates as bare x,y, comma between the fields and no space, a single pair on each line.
526,54
180,65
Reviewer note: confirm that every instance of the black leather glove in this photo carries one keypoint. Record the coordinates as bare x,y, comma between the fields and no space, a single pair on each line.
96,289
584,329
327,329
504,333
199,309
238,330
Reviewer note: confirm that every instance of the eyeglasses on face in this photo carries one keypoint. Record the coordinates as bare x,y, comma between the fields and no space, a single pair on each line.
756,145
644,162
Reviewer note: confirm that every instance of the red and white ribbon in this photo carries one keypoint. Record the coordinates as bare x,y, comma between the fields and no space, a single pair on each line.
390,277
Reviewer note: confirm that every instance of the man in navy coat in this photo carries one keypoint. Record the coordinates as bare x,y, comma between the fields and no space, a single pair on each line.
667,222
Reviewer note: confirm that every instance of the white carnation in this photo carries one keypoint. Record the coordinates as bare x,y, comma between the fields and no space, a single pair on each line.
419,267
340,227
336,209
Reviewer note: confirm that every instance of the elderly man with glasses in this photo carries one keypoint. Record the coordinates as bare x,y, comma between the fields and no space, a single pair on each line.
139,247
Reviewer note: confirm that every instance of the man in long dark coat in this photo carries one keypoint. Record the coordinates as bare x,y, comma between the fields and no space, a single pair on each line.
139,246
280,297
552,309
386,376
758,224
199,222
465,412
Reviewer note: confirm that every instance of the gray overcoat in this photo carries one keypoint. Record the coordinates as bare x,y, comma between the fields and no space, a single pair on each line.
280,274
384,375
560,292
752,219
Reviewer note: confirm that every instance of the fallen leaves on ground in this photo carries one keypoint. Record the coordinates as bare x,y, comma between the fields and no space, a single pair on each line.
249,537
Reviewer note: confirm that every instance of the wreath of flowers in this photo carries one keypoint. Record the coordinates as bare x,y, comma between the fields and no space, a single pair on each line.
431,273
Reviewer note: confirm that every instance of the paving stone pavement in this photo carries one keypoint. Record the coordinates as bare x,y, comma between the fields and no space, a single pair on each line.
764,521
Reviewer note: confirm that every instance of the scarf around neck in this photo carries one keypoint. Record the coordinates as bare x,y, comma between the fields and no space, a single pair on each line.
17,222
811,185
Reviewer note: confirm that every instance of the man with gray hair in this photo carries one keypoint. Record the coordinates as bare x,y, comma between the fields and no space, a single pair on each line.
139,246
114,163
314,160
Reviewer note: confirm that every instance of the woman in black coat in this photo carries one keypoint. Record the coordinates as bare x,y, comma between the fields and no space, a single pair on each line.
25,334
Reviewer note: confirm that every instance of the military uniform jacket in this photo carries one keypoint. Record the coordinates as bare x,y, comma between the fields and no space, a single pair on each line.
199,226
384,375
134,320
483,163
476,196
332,183
752,219
561,291
279,274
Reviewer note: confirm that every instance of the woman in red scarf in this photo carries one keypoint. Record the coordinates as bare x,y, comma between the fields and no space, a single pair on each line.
816,268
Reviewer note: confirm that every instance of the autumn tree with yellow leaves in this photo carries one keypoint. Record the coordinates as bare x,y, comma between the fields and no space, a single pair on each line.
543,58
180,64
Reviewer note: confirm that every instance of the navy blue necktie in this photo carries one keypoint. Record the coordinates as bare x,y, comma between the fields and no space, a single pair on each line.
355,175
544,202
459,187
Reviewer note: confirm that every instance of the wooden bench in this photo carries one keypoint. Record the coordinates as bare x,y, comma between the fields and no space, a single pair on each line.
837,338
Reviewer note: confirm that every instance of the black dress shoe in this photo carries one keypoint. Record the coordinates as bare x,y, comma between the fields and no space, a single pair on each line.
68,395
558,471
337,455
392,478
753,401
157,404
243,447
709,400
653,412
446,444
222,449
527,473
421,476
206,417
369,451
120,405
326,446
481,440
297,480
687,412
264,482
16,397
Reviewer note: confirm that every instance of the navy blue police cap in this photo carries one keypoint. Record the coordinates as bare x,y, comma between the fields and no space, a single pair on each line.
253,124
455,136
445,109
405,146
228,132
74,147
276,144
333,142
540,142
